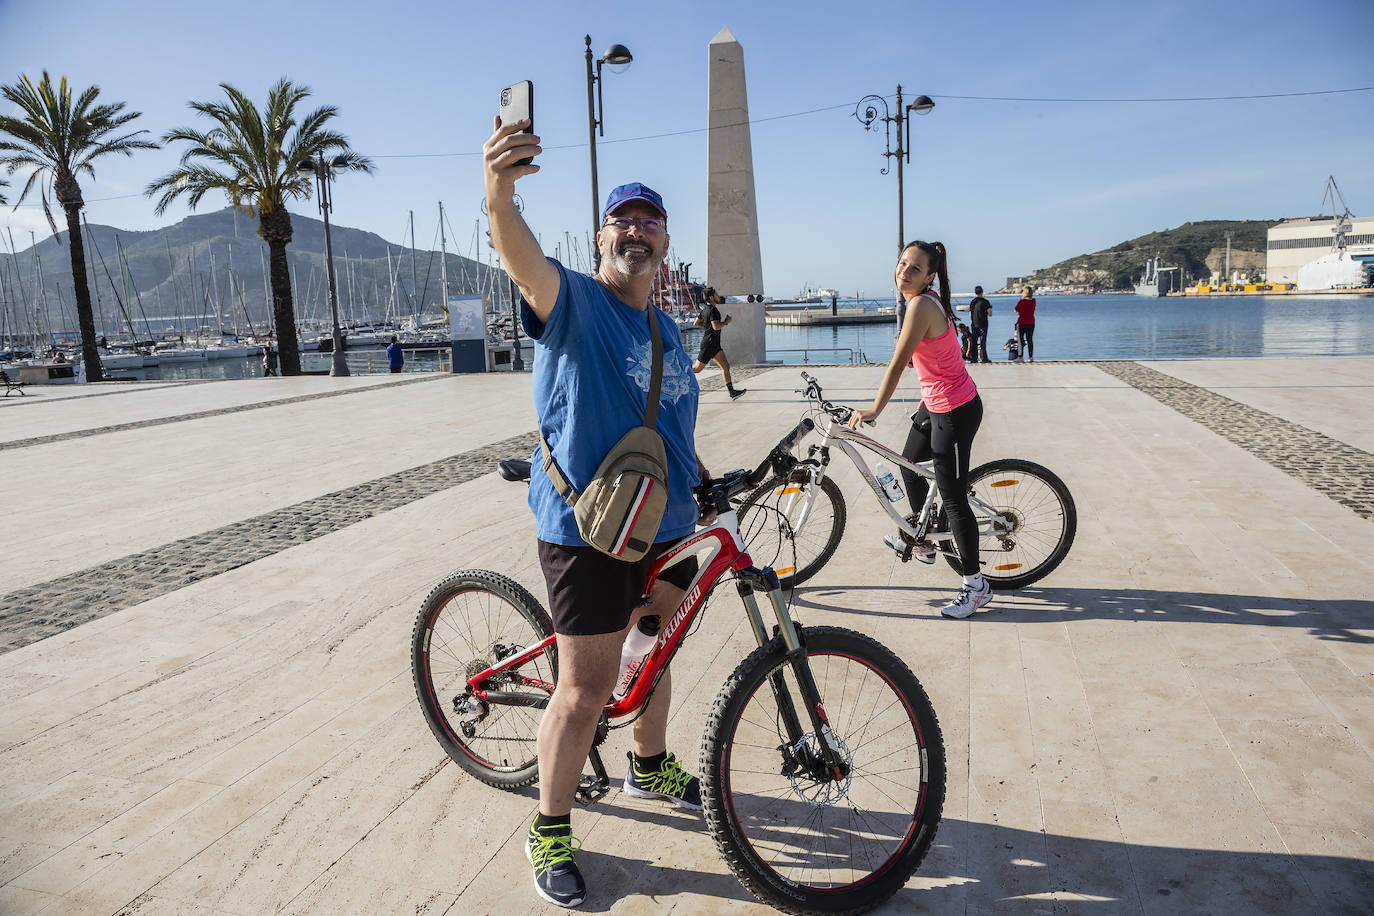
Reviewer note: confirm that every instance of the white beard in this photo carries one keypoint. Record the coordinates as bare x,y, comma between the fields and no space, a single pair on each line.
631,265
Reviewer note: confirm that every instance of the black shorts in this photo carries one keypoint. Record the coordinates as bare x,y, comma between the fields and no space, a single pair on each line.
591,593
708,352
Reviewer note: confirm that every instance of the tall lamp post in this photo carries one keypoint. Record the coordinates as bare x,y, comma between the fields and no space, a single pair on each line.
868,113
618,58
322,171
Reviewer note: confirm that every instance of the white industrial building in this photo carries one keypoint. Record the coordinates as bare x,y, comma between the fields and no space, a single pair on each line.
1294,244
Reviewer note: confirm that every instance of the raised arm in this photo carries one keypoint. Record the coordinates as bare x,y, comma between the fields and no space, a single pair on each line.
510,235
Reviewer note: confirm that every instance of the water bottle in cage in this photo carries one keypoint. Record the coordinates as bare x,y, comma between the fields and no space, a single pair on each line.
888,481
643,636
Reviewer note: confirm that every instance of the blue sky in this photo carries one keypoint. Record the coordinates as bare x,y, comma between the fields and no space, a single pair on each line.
1008,186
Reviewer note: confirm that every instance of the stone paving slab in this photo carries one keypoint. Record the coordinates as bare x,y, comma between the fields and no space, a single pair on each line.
1178,720
1324,393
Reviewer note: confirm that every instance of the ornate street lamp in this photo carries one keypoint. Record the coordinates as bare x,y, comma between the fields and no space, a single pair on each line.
617,58
921,106
322,171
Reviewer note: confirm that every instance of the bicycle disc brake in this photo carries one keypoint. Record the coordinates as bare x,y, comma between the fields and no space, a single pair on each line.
805,769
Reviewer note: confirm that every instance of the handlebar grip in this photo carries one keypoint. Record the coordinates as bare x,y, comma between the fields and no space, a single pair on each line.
805,426
784,445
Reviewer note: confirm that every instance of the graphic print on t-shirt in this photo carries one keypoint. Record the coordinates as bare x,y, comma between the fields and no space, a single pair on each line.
677,372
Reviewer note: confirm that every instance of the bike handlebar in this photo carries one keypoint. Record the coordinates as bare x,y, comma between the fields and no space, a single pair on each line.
714,493
838,412
783,447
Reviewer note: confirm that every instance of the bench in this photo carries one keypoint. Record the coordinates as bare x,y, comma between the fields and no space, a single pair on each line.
11,384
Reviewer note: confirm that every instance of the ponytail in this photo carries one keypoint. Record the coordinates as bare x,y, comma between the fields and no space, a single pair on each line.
939,259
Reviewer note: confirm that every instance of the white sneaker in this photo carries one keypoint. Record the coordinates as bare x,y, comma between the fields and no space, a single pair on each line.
899,545
970,599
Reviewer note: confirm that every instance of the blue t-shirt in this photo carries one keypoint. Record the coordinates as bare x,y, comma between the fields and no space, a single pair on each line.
591,383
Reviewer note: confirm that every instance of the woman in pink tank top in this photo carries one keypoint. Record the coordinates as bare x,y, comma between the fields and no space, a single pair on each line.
948,418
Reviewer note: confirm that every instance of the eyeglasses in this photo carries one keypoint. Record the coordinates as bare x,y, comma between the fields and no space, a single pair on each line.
650,224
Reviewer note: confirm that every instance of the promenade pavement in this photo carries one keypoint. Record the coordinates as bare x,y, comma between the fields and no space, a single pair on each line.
207,592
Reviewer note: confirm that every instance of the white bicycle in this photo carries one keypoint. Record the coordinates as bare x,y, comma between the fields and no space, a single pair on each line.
795,519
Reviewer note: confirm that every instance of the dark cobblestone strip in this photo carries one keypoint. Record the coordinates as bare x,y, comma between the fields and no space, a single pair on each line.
1331,467
31,614
181,418
43,610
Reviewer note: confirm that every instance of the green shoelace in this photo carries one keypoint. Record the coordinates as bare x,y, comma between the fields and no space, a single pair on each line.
547,851
670,779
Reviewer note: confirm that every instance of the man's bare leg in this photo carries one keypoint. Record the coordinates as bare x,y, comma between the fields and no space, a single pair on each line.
720,360
587,667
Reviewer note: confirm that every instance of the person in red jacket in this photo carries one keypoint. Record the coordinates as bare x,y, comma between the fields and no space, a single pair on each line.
1025,322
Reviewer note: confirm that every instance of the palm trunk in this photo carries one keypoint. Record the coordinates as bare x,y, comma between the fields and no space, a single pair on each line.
276,229
85,316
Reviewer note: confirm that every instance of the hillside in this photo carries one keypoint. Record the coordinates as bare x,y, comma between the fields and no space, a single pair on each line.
184,269
1199,248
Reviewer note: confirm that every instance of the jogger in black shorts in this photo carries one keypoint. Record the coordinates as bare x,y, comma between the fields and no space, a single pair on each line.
711,324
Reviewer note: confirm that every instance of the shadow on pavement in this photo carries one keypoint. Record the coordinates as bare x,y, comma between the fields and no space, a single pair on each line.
1336,620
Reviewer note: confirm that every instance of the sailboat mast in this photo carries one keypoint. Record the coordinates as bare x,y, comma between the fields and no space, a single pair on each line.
443,262
214,294
414,286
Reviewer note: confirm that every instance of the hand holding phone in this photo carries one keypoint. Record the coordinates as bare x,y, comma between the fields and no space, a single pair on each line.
517,102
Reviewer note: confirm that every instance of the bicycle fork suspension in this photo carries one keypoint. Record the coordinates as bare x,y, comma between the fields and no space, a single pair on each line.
825,763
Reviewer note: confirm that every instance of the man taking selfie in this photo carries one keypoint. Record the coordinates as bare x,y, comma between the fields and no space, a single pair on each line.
592,374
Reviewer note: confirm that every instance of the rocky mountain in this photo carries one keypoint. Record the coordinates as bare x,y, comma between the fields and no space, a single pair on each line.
1199,248
184,271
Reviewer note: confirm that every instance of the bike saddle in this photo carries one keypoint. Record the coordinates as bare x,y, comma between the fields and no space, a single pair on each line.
514,468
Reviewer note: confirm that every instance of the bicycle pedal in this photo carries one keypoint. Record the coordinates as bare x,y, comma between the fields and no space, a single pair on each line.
590,790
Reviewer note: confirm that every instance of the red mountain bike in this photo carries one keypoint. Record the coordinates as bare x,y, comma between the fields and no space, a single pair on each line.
822,765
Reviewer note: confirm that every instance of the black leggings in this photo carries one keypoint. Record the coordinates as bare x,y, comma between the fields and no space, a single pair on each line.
947,438
1026,332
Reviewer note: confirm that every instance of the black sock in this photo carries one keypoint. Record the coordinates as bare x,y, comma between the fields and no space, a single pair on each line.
552,824
649,764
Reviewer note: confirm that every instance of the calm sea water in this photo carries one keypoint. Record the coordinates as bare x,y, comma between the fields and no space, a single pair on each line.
1066,327
1132,327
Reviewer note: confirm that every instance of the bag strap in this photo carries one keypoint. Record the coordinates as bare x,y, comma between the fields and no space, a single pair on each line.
551,468
656,376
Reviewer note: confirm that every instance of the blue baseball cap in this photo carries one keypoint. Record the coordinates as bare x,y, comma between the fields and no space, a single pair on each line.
978,290
633,191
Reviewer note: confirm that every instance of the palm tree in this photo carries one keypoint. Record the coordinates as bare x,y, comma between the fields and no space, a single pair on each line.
252,158
59,140
3,184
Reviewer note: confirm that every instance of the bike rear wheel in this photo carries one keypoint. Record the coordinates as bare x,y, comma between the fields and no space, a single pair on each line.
1040,517
819,845
768,518
470,621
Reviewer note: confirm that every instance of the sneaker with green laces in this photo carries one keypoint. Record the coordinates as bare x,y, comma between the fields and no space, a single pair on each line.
556,877
669,781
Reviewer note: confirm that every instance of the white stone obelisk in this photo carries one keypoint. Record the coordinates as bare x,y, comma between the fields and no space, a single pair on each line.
734,265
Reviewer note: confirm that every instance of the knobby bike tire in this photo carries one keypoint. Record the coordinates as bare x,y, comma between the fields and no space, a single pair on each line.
460,625
771,540
881,717
1047,521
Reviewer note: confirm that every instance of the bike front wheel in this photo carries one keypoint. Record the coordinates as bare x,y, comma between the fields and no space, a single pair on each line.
801,840
779,529
468,623
1033,528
